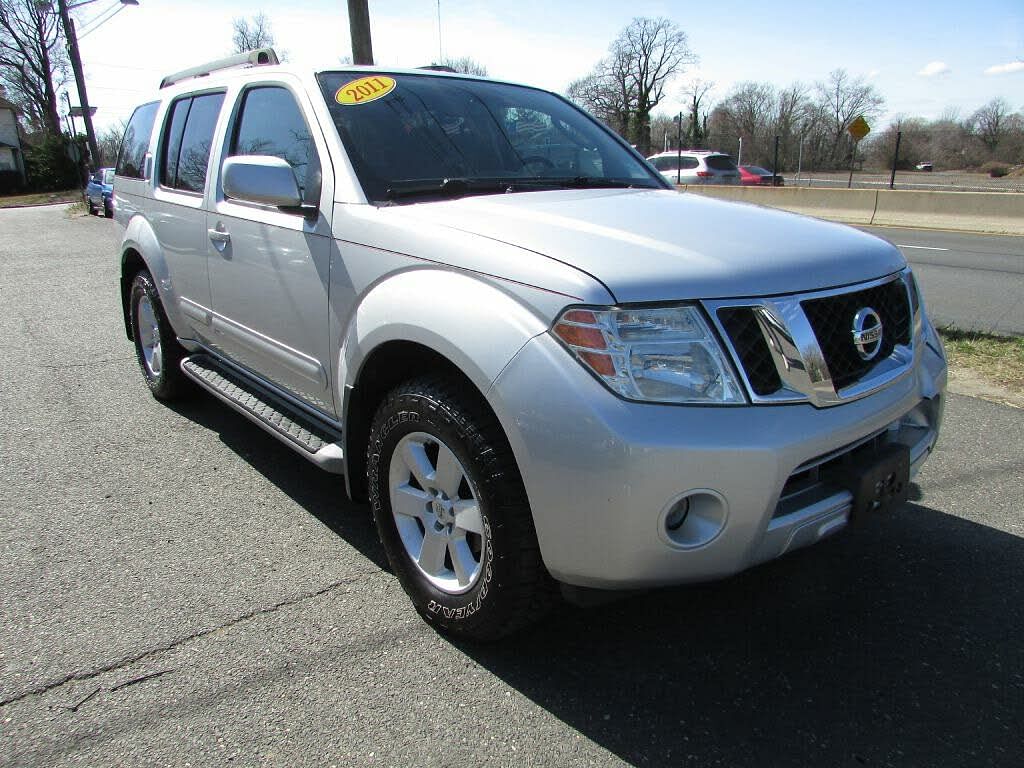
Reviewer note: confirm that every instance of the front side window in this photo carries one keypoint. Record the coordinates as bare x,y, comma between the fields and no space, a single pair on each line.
108,176
270,123
409,133
187,141
131,158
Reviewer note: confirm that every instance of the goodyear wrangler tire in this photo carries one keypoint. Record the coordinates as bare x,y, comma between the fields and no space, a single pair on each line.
452,513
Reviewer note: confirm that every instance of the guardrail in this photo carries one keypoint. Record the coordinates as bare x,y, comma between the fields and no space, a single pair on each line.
988,212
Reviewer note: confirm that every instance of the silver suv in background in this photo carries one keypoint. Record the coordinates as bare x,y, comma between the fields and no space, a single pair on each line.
696,166
544,369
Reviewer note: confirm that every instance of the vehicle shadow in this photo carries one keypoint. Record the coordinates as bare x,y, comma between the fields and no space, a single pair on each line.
898,642
321,494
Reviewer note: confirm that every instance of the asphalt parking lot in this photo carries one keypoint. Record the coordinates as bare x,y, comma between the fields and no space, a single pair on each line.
179,589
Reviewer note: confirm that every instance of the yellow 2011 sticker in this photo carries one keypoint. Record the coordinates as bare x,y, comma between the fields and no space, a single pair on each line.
365,89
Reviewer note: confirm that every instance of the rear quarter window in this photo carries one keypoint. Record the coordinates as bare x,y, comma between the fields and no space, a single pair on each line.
720,163
131,159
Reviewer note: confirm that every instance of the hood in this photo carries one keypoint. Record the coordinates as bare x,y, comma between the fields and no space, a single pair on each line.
657,245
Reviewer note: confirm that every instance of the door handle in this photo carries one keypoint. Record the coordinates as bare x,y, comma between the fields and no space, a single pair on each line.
219,235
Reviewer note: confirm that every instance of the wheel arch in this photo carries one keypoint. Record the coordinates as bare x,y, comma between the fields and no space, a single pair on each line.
131,264
406,327
387,366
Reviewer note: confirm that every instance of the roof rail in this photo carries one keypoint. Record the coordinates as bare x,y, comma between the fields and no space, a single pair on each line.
258,57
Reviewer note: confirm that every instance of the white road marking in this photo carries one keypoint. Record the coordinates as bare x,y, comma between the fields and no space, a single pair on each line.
922,247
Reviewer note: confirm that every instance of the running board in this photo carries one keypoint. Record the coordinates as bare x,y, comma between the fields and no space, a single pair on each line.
300,432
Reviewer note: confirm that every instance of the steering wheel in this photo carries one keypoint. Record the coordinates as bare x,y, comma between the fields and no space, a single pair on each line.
543,162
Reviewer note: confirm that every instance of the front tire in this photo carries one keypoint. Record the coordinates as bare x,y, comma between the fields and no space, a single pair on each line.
156,348
452,513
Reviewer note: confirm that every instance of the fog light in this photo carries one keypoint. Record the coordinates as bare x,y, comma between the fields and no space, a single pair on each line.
693,519
677,516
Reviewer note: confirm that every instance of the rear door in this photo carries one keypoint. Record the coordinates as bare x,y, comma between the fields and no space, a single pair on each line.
177,212
269,268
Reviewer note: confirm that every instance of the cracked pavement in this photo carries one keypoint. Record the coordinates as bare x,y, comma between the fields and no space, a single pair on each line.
178,589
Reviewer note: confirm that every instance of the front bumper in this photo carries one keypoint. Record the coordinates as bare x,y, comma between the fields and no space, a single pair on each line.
603,473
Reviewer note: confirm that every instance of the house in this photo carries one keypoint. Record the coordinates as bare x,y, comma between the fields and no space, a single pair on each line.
11,155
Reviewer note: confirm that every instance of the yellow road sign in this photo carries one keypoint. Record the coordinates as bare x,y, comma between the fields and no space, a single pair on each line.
859,128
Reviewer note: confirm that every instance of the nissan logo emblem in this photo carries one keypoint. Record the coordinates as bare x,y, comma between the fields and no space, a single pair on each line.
867,333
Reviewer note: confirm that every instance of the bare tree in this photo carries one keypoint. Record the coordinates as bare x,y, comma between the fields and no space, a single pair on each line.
110,143
630,82
657,51
696,91
33,62
463,64
990,123
842,99
249,37
606,94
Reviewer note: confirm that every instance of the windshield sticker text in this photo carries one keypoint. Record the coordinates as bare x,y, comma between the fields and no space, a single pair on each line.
364,89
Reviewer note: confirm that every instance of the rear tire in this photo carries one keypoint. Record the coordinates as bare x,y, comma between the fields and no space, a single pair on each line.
156,347
452,513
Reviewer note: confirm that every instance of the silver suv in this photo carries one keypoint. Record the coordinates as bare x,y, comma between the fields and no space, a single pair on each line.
544,368
696,166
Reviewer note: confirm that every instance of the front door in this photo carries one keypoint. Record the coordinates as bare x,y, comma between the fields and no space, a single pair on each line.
269,269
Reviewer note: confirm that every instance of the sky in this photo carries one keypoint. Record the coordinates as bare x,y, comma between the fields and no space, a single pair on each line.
923,57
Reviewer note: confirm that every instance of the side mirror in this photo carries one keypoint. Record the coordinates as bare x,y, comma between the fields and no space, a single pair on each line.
261,179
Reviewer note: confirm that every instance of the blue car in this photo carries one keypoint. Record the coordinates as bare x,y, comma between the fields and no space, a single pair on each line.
99,192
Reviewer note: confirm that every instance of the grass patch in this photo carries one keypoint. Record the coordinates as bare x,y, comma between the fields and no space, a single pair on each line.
41,198
998,359
77,209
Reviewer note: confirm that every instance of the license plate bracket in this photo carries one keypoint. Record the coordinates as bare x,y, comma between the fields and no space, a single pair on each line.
878,479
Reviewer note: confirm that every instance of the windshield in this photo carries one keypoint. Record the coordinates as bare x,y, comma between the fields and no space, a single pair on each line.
417,135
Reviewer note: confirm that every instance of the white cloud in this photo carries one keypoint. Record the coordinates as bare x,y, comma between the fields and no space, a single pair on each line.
934,69
1006,69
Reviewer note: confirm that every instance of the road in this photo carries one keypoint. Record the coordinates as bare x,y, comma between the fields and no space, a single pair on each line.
975,282
177,588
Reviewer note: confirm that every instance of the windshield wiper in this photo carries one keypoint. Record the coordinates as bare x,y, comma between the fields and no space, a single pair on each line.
460,186
450,187
589,182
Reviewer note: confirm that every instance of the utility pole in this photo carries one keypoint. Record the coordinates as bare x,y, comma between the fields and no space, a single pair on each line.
359,27
895,158
775,164
679,148
76,65
71,117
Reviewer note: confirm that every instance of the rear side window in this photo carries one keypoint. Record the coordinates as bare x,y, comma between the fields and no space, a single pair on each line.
187,140
131,159
720,163
671,163
270,123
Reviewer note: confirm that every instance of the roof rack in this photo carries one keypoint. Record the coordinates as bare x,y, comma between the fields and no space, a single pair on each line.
258,57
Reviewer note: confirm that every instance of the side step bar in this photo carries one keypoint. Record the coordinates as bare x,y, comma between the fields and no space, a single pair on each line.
302,433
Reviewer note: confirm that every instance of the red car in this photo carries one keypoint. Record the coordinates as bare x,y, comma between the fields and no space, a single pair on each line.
755,174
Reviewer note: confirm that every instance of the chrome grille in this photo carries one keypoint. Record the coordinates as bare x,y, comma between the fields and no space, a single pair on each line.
800,348
751,348
831,318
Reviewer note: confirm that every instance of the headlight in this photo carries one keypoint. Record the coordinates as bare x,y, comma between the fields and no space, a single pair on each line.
664,354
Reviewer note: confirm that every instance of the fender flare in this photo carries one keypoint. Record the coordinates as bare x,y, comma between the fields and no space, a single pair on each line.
140,239
465,318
